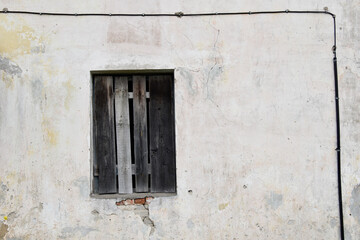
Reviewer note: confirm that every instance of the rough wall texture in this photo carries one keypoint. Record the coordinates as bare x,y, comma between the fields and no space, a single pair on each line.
255,120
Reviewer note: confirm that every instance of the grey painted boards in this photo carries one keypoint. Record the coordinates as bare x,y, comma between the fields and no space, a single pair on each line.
122,122
104,133
162,144
140,133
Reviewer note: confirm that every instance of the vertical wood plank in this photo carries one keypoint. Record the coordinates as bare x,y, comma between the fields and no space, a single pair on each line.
140,133
105,133
122,122
162,142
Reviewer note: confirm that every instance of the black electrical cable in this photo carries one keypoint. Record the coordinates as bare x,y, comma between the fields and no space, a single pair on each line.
181,14
338,138
177,14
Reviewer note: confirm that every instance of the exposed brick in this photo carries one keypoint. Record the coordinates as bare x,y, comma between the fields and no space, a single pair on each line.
129,202
138,201
125,202
141,201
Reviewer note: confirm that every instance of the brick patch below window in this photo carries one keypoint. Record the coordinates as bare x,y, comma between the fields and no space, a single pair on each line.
136,201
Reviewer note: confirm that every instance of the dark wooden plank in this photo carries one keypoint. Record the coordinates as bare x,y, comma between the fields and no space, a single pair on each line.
104,133
140,133
133,168
162,142
122,122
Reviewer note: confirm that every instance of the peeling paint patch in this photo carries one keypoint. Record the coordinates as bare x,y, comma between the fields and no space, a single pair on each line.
7,79
70,232
37,90
274,200
3,230
3,186
38,49
347,235
351,113
291,222
334,222
222,206
188,77
142,33
3,191
16,38
355,203
82,184
96,215
190,224
11,216
9,70
9,67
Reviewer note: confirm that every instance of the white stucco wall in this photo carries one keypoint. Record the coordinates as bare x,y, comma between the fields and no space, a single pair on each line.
255,119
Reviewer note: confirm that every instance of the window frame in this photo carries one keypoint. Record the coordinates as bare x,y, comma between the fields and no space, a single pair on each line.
119,73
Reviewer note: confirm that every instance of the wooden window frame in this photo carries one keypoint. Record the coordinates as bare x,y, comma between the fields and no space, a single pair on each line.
159,112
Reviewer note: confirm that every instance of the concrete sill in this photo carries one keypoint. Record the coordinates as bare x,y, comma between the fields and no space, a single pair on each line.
131,196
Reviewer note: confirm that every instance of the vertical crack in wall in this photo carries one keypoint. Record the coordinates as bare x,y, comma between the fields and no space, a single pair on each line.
147,220
143,212
141,208
217,68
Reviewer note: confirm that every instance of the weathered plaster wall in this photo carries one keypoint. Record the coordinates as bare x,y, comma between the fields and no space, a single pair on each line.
255,120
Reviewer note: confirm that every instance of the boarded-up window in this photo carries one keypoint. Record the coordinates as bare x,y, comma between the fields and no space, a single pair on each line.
134,135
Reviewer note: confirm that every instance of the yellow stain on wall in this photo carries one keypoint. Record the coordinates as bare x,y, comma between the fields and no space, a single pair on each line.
69,93
30,151
15,38
50,135
225,77
222,206
49,68
11,176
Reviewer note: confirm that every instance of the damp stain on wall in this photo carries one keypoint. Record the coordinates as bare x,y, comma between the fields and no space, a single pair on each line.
222,206
141,33
70,88
49,133
15,38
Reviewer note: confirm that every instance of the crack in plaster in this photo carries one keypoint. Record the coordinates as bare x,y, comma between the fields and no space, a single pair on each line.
147,220
220,65
143,212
